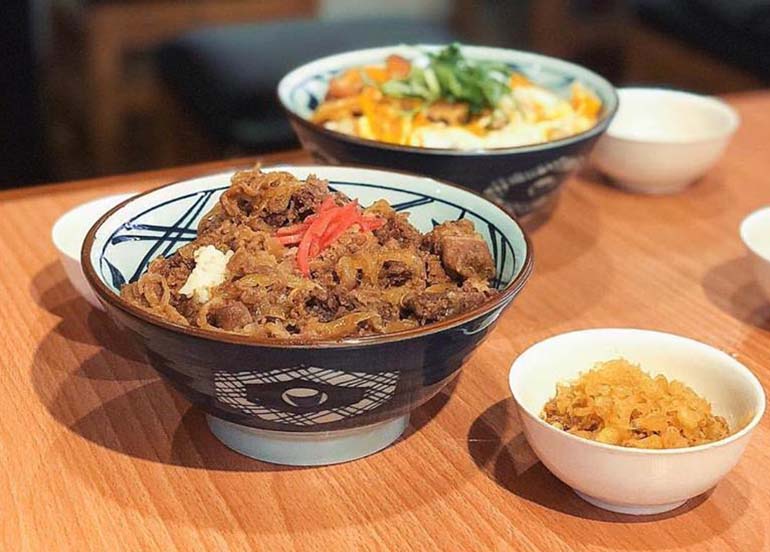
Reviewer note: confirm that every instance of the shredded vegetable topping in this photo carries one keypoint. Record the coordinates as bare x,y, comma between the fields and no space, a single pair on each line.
452,77
451,101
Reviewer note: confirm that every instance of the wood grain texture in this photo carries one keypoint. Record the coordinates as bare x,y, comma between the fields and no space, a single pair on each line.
98,454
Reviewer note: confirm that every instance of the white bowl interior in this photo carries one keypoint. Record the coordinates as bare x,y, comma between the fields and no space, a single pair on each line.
159,222
660,115
304,88
755,232
734,392
68,234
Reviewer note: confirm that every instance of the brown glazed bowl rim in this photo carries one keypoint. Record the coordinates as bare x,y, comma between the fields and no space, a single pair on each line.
106,295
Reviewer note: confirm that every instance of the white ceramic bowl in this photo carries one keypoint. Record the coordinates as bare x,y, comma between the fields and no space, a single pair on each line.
662,140
627,480
755,233
69,232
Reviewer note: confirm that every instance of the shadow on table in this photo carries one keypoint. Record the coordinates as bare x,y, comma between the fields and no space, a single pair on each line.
134,412
152,422
732,288
114,400
500,450
79,322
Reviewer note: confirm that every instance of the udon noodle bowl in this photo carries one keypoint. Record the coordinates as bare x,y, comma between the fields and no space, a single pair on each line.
447,101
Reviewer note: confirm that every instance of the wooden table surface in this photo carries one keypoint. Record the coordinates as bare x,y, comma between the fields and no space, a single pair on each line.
98,454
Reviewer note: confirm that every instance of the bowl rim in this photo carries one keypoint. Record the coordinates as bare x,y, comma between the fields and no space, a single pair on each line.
56,227
601,124
736,365
743,229
712,101
108,296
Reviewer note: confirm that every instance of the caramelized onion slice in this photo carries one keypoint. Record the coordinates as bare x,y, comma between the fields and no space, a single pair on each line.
342,327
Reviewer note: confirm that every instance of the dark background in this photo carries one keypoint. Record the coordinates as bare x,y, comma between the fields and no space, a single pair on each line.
94,87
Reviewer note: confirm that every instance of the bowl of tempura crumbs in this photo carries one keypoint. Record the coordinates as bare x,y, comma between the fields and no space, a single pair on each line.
617,403
635,421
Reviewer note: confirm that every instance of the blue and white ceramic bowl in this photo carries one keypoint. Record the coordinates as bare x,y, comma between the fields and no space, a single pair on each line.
522,179
291,403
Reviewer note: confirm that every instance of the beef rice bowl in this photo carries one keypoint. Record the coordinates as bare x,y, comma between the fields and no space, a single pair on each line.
307,310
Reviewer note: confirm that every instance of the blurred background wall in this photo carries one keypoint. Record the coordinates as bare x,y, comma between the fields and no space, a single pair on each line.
94,87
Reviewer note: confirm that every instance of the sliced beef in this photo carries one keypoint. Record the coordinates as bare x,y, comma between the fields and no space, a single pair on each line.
432,240
247,261
467,257
397,228
305,200
430,307
212,220
231,316
276,219
394,273
323,304
237,201
463,252
275,197
434,270
188,307
175,269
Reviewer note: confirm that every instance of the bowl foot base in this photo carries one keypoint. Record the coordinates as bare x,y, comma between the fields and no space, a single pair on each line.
630,509
307,449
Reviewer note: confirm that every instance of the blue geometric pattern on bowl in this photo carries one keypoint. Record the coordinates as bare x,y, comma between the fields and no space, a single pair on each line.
313,395
160,229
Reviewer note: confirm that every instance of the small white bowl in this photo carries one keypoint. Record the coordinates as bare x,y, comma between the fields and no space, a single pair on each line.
755,233
69,232
628,480
662,140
